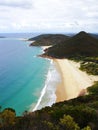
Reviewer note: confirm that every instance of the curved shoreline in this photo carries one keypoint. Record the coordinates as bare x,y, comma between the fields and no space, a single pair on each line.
74,81
43,91
47,95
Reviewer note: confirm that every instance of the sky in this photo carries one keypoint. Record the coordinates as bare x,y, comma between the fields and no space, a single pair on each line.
48,16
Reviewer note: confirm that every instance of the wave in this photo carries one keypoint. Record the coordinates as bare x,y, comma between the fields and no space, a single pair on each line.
48,96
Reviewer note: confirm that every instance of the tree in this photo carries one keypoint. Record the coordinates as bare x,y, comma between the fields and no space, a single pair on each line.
7,118
86,128
67,123
93,90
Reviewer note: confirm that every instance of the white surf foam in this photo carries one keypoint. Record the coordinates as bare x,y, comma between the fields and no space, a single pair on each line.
48,96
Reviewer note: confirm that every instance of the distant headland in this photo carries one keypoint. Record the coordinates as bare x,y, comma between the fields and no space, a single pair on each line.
79,86
62,46
2,37
48,39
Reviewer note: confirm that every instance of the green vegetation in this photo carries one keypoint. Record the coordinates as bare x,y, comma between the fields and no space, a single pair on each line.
7,117
90,65
76,114
81,44
90,68
82,47
48,39
68,123
87,64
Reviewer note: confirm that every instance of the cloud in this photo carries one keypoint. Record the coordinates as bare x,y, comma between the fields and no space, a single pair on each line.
48,15
16,3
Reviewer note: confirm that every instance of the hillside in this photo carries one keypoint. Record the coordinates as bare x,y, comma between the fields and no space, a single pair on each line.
94,35
80,113
82,44
48,39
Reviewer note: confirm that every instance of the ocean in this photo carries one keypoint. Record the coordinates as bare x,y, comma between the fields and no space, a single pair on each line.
27,82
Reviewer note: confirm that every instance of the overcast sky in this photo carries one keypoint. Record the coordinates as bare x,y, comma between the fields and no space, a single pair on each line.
48,15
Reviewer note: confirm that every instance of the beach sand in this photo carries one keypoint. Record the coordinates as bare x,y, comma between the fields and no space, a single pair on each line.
74,81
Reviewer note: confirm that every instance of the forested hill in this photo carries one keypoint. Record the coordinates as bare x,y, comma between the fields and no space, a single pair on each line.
80,113
82,44
48,39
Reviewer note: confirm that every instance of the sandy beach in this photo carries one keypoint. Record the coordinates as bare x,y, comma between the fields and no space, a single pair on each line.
74,81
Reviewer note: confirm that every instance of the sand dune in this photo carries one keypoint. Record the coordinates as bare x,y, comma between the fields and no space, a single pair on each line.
74,81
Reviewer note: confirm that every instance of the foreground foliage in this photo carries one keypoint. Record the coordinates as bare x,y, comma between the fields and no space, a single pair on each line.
76,114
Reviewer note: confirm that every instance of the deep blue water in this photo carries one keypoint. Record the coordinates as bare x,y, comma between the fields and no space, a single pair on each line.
22,74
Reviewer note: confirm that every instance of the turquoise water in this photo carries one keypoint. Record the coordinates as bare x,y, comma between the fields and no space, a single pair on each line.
22,74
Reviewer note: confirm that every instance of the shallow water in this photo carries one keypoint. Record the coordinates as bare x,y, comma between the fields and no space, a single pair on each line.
25,79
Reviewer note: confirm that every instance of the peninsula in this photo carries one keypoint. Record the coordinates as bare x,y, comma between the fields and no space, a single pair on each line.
77,95
48,39
82,47
82,44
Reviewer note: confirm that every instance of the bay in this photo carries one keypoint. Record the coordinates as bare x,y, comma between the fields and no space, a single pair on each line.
22,73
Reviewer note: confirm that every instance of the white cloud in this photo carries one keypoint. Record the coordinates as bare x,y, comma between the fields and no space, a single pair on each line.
48,15
16,3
